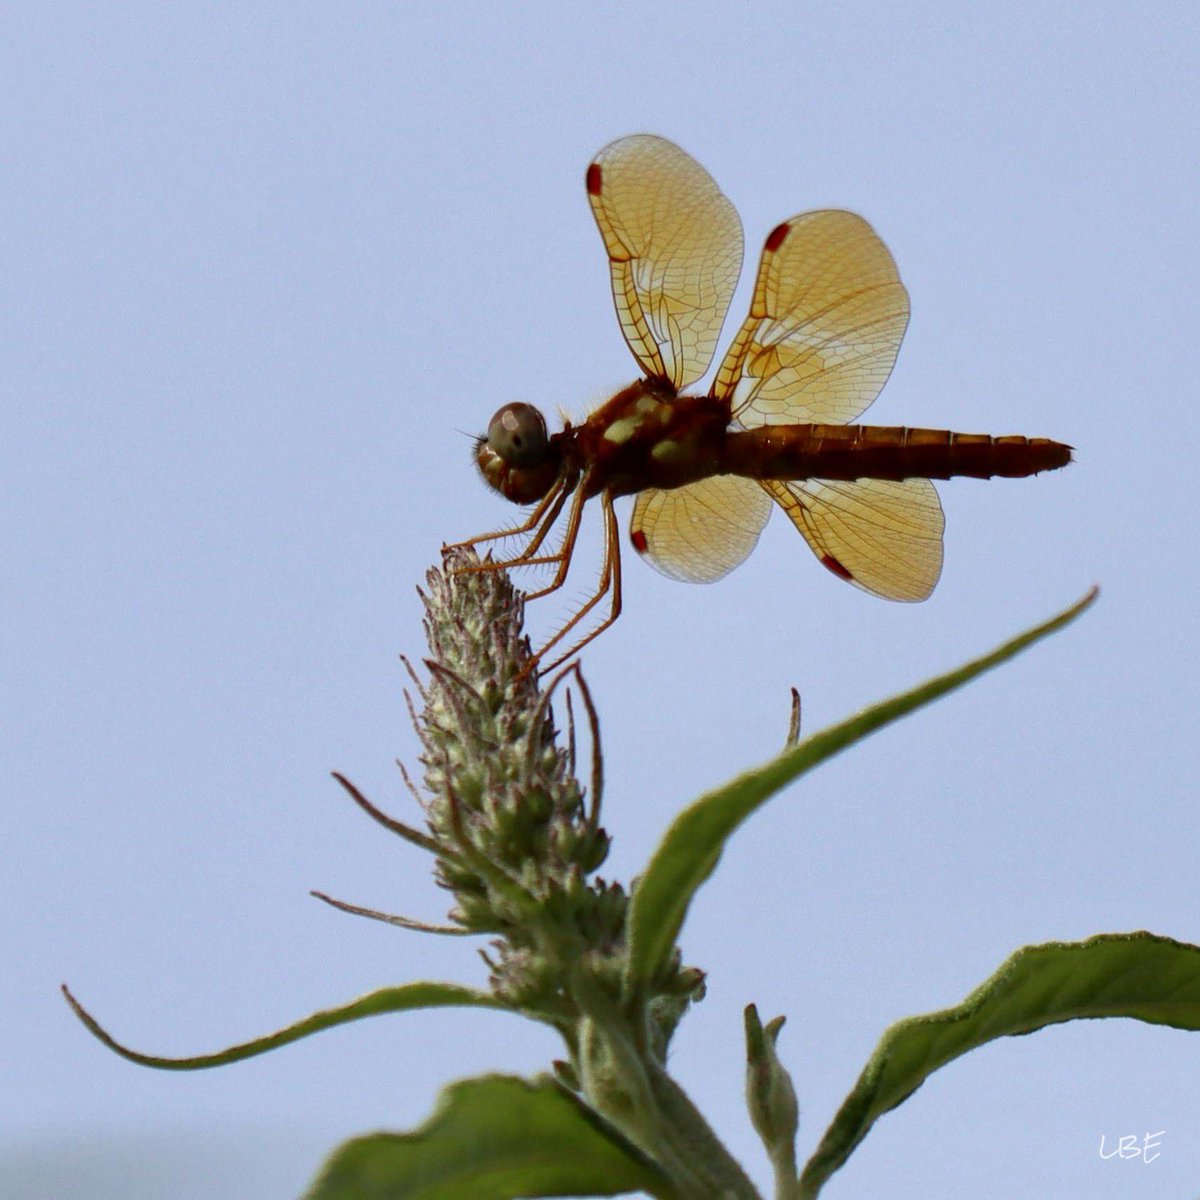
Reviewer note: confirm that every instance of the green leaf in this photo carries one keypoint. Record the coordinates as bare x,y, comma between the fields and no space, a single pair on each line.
494,1138
692,846
385,1000
1136,975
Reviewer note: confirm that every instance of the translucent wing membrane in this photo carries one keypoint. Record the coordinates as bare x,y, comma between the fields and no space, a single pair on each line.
674,244
825,325
882,535
700,532
828,314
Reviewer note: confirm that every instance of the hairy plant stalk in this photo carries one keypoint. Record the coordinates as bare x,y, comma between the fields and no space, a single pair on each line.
518,841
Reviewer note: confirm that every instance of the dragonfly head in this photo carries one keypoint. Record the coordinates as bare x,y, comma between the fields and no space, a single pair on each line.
516,457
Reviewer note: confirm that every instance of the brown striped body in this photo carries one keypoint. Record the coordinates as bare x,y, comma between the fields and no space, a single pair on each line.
648,436
850,452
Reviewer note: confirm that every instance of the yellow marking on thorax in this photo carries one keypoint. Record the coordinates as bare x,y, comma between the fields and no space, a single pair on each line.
668,450
622,429
648,406
646,412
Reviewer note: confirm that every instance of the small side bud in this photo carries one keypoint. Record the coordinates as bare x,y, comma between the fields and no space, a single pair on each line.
565,1074
770,1095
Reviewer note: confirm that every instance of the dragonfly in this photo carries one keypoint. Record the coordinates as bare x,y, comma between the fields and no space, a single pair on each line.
775,429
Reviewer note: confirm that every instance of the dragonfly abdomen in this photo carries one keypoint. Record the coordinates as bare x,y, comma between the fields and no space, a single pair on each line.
850,452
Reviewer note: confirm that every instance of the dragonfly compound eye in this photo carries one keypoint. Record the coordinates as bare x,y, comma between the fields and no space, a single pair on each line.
517,433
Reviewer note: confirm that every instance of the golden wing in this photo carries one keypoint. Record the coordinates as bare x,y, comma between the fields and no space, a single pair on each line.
883,535
674,244
701,531
825,325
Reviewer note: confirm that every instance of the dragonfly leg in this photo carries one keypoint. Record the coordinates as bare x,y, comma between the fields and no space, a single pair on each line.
563,555
608,584
541,521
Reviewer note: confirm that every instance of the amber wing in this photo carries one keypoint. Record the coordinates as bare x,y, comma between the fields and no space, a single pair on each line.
700,532
674,245
883,535
825,325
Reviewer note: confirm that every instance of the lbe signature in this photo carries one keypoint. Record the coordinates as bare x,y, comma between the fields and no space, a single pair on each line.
1131,1146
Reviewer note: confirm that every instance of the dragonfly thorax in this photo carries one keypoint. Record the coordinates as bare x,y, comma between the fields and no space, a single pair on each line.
650,436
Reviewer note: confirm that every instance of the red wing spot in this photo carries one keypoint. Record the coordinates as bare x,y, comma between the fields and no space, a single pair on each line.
836,567
775,238
638,538
593,179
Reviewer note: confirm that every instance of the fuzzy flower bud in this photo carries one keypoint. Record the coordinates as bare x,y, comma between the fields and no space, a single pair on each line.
518,844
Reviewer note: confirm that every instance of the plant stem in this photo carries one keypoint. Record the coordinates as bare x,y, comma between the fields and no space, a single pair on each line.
688,1137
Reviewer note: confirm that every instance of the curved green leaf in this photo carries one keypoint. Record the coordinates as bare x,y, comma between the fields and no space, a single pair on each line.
385,1000
689,852
1136,975
494,1138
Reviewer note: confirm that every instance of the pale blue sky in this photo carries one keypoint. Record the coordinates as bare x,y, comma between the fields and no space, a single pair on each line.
266,265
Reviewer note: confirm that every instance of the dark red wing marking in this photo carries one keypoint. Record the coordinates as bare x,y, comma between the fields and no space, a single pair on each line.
776,236
836,567
594,179
638,538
